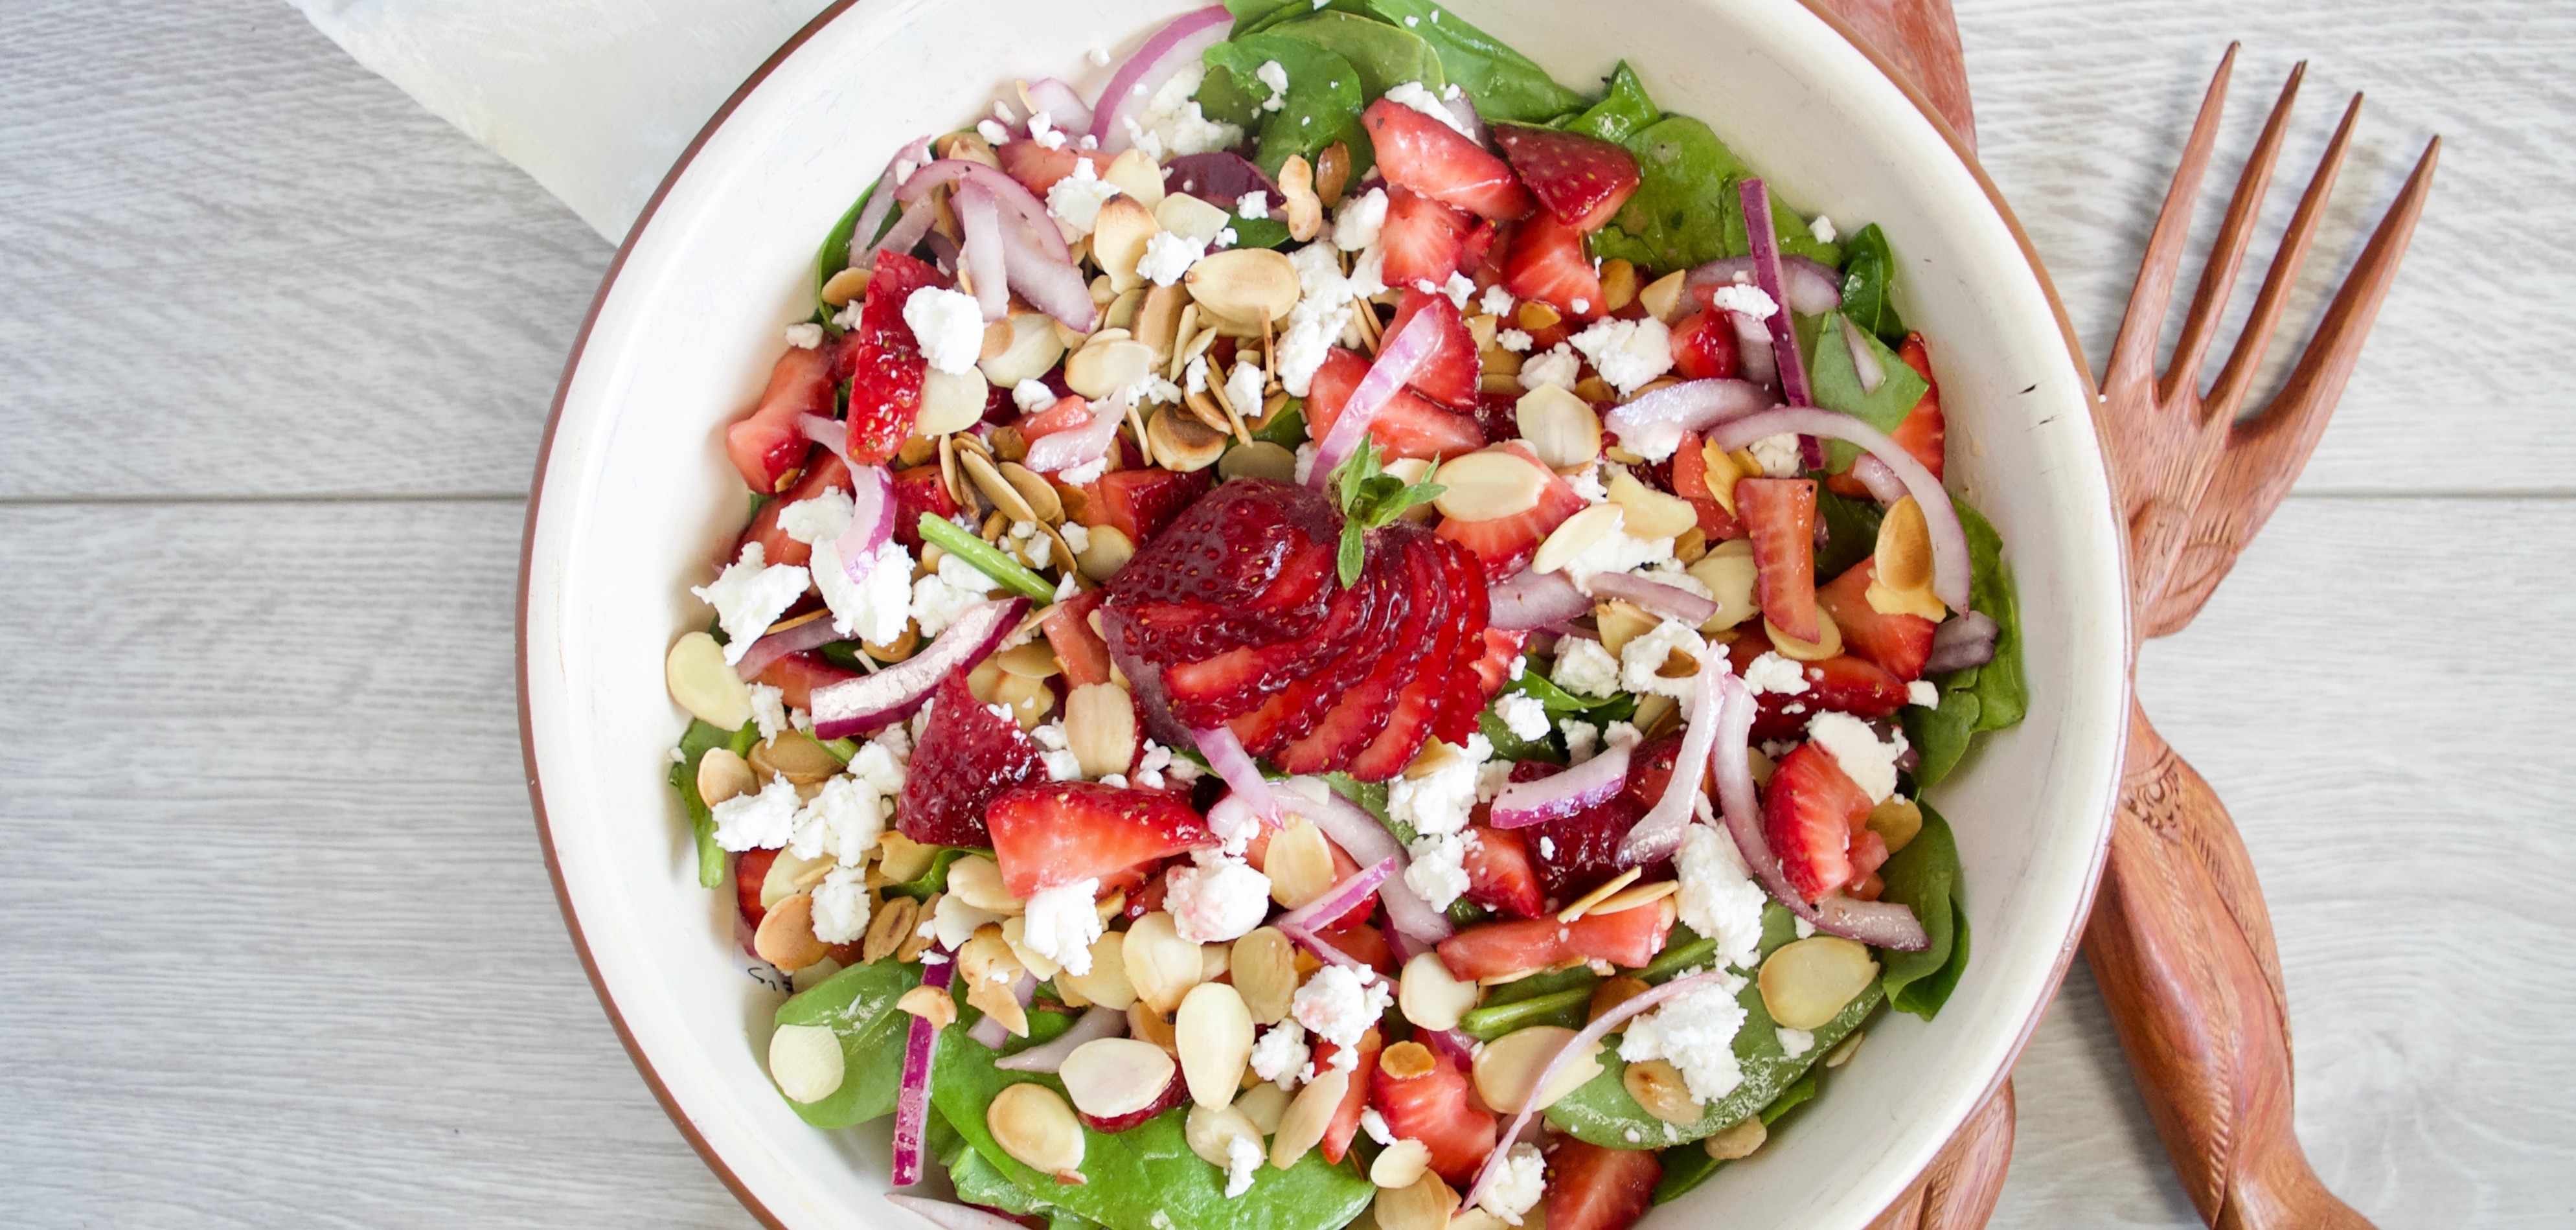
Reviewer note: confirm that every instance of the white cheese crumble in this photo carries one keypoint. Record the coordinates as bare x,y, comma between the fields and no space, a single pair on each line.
840,906
874,607
842,821
1779,456
1322,309
1557,366
1795,1042
1739,297
1522,714
1374,1124
1413,94
1627,353
768,709
1922,694
1618,551
1438,802
1075,200
1360,219
1515,340
992,132
1338,1004
1822,228
812,520
1032,396
1493,775
1776,674
1582,306
1171,122
1459,288
949,325
1217,899
1642,659
805,335
1516,1186
1168,255
1243,1158
1582,742
1497,300
749,595
1275,75
1585,668
1280,1053
759,821
1099,56
1061,925
1253,205
1719,898
1695,1032
1587,484
1437,869
940,598
1243,388
1869,763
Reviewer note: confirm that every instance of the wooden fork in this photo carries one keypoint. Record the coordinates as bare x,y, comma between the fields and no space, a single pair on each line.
2180,940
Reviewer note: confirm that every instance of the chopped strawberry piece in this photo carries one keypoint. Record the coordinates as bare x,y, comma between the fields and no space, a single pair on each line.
886,367
1063,414
1424,1095
1593,1188
1345,1122
1897,644
968,754
1068,630
1476,256
1360,941
1581,179
823,471
1808,813
1576,853
916,491
1418,152
1704,347
1868,854
765,444
1506,543
1140,502
1500,875
1844,683
796,675
1422,240
1690,481
1035,166
1149,898
1629,938
1498,414
1406,426
1548,264
1780,514
1449,376
1502,648
1047,834
750,871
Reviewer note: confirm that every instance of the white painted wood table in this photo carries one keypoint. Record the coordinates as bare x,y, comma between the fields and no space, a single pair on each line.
276,946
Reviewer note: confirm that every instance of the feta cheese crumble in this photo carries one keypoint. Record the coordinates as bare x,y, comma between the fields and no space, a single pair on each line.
1585,668
1253,205
1168,255
840,906
1642,660
1061,925
1517,1185
1075,200
768,710
1695,1032
1032,396
1719,898
1413,94
1280,1053
1627,353
1869,763
949,325
1515,340
1795,1042
1739,297
1171,122
1557,366
1773,673
1216,900
761,821
1922,694
1243,388
1243,1158
1338,1004
842,821
1275,75
805,335
1438,802
1779,456
1497,300
749,595
1360,219
940,598
1522,714
1822,228
1437,869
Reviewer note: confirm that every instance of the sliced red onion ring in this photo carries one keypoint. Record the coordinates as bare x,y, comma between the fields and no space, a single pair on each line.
872,513
1065,110
1361,836
1652,425
1522,804
1883,924
1340,899
855,708
1045,275
1813,288
1950,563
1580,1043
980,217
1884,486
1961,642
1096,1023
1864,359
1449,1042
1766,270
1654,597
1006,191
948,1216
811,634
908,230
1171,49
827,431
1753,358
1075,447
1534,600
863,233
1397,361
1225,754
912,1097
990,1031
1655,835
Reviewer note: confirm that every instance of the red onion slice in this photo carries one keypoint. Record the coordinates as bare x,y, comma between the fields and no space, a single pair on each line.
1397,361
948,1216
1065,110
1463,110
1075,447
1753,349
1883,924
1656,835
1171,49
1522,804
1096,1023
872,513
1864,360
1652,425
873,215
980,217
1814,289
1045,275
1225,754
1960,642
811,634
912,1097
1220,178
1361,836
1534,600
1006,191
827,431
1884,486
1582,1041
862,706
1655,597
1950,563
1766,270
1340,899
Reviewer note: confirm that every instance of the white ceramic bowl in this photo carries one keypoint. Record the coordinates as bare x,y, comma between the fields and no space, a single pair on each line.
635,497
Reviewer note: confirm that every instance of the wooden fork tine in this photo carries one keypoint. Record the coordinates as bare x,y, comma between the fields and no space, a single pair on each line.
2227,252
2227,393
2133,354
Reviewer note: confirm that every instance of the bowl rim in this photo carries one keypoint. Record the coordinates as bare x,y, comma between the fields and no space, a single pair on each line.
635,1052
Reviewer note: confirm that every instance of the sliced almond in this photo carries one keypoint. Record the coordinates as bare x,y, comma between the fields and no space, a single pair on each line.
1299,863
1032,1124
846,285
1620,622
1828,642
1613,992
1249,285
1332,174
1507,1069
1618,284
1106,984
1400,1164
1210,1131
1731,577
931,1004
951,401
1118,241
1904,549
1534,316
1110,1077
1920,602
1147,1025
1308,1115
723,775
1432,997
1029,700
1424,1204
1726,469
1033,351
1634,896
1650,513
977,881
1265,974
1265,1104
1658,1086
806,1062
1160,964
901,858
1158,320
1738,1142
1034,660
1488,484
888,927
1182,443
1576,535
786,935
1213,1030
1841,1055
1101,368
1100,728
1138,176
706,685
1561,428
1108,551
1897,821
1805,983
1186,215
1259,459
1297,194
789,875
1578,908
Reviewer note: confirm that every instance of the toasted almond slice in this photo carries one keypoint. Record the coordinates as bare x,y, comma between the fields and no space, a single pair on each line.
977,881
723,775
806,1061
1507,1069
844,286
1897,821
1904,549
951,401
706,685
1246,285
1400,1164
1581,905
931,1004
1259,459
1561,428
1424,1204
1488,484
1431,996
1731,576
1138,176
1576,535
1118,241
1631,898
1658,1086
1101,368
1739,1141
988,479
1828,642
1650,513
1805,983
1109,1077
786,935
1308,1115
1032,1123
1213,1032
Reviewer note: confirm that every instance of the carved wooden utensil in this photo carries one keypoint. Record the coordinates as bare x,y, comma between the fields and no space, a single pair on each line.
2180,941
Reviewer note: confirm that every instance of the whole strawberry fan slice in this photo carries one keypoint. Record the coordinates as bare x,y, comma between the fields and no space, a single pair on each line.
967,755
1579,178
1050,834
1296,710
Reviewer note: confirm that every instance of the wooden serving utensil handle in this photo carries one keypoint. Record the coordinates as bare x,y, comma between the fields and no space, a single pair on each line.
2182,946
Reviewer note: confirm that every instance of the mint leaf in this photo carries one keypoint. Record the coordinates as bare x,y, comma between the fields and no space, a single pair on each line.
1370,497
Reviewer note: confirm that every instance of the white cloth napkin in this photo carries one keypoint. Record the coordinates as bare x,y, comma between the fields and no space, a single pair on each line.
594,98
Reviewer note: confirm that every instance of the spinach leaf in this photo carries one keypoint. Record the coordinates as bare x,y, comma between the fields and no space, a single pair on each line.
1254,16
1623,111
1287,429
1602,1113
1369,797
834,255
1509,746
1940,736
1321,106
858,1005
1851,532
1827,345
1977,698
1688,1166
1667,224
1561,703
935,880
1504,83
1869,277
695,742
1385,55
1799,1093
1262,233
1144,1178
1924,876
980,1182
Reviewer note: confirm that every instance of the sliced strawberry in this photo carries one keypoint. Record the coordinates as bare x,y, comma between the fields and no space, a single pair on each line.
1868,854
1035,166
1363,710
823,471
1424,1095
1297,709
1419,705
750,871
1149,897
1897,644
1576,853
1362,942
1068,629
1418,152
1504,544
1422,240
1449,376
1140,502
796,675
1581,179
1498,414
1500,875
1047,834
1406,426
886,367
1593,1188
1808,813
1345,1122
916,491
1704,347
1629,938
765,445
1476,256
1502,648
1238,681
1548,264
1063,414
968,754
1780,514
1690,481
1844,683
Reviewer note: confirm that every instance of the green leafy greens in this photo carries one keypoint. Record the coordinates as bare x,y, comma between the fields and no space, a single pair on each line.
857,1004
1924,876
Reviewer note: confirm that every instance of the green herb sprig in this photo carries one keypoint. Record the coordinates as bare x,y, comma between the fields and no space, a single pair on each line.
1370,497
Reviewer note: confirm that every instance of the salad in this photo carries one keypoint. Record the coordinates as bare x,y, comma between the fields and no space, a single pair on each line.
1346,632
